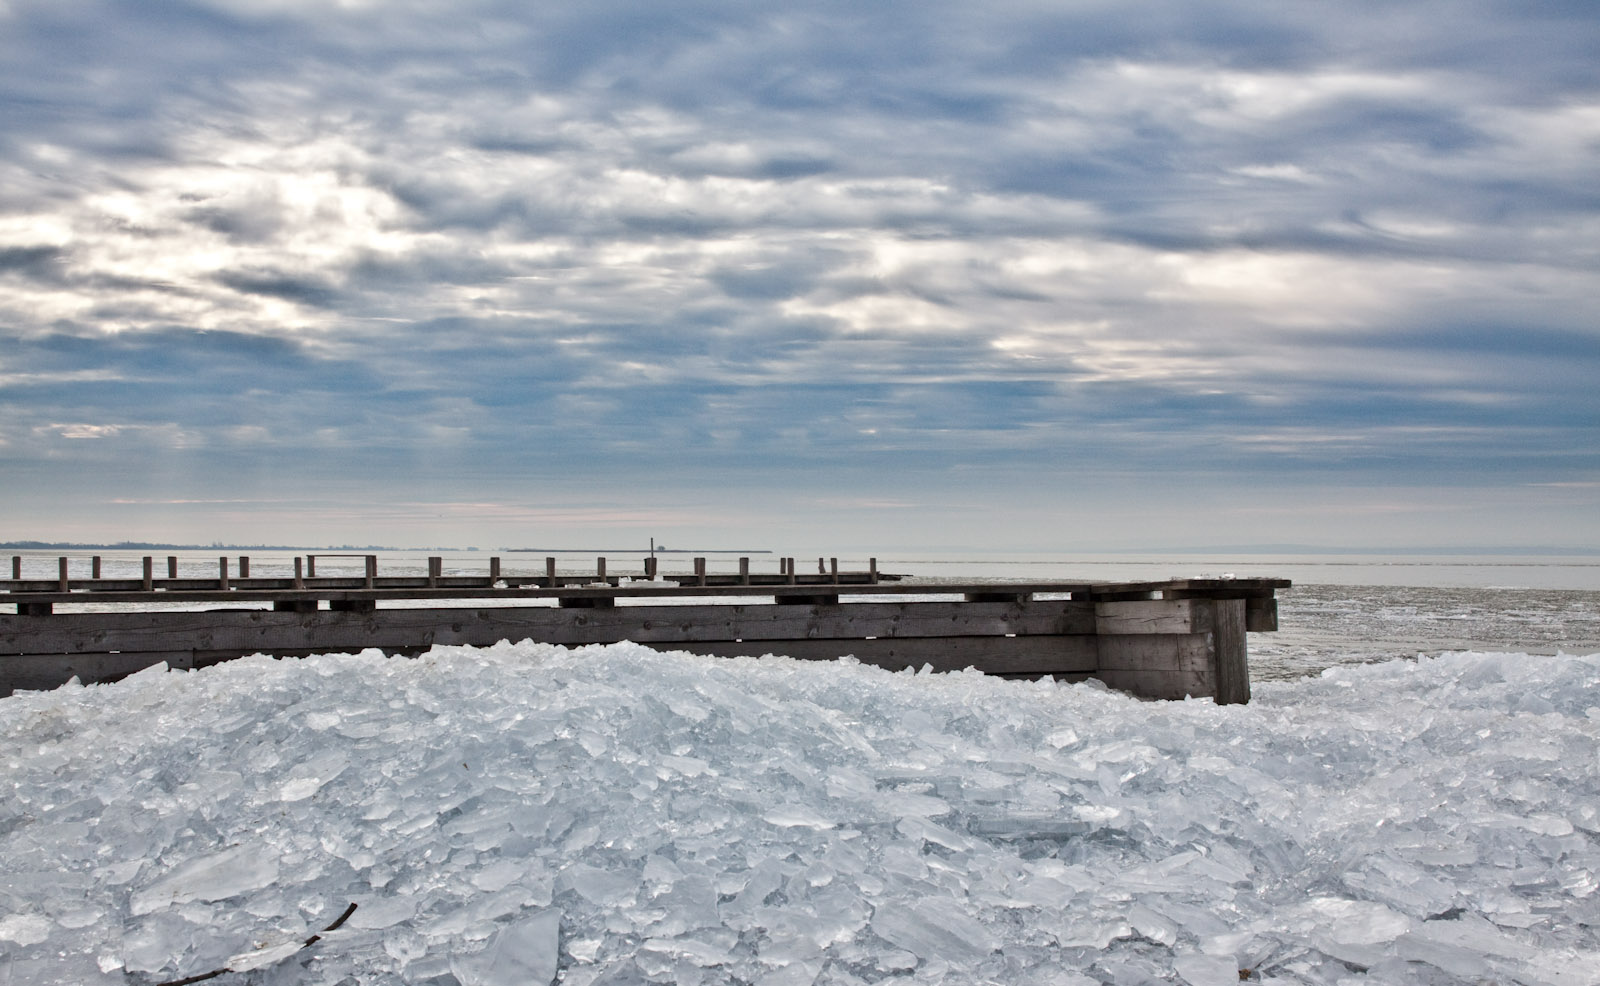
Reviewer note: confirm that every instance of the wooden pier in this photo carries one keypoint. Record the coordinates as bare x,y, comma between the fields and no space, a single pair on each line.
1159,640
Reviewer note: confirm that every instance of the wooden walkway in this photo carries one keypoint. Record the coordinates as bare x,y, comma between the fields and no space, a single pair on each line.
1168,639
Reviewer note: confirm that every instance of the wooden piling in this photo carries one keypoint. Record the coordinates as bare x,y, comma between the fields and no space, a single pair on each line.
94,567
147,581
62,583
222,572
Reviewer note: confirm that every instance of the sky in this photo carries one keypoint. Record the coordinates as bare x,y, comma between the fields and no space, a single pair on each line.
813,276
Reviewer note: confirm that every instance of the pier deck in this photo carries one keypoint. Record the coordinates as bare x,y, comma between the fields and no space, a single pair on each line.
1167,639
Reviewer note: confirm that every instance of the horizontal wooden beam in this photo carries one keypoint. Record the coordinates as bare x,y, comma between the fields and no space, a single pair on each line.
1152,616
254,630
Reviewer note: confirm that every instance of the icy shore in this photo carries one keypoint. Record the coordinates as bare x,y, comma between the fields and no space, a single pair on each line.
612,815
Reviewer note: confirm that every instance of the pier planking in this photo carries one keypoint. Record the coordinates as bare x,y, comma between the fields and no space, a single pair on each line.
1160,640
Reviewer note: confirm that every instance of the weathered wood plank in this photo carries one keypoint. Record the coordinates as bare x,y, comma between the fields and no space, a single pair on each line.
1261,614
1021,656
1186,652
1228,645
1152,616
1158,684
1011,656
338,629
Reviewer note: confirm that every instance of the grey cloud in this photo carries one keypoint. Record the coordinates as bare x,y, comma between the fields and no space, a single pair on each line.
42,263
275,284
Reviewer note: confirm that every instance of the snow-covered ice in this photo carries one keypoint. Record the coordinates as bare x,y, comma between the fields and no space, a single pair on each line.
612,815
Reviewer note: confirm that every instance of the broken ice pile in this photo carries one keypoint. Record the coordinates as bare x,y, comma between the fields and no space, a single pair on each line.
611,815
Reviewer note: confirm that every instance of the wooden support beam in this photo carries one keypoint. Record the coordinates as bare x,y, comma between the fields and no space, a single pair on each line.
1228,645
1260,614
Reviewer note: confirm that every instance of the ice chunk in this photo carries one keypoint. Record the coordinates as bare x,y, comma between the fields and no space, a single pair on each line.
1207,970
608,887
216,877
519,954
798,816
25,929
933,928
264,957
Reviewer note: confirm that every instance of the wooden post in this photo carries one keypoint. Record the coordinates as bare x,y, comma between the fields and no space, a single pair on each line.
172,566
311,566
63,585
299,577
650,568
872,570
494,569
833,570
822,566
599,569
94,567
792,576
222,572
149,573
1228,642
744,571
435,566
244,566
16,567
550,572
699,571
372,570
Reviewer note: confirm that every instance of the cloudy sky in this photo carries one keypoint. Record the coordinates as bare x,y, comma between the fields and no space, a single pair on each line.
1054,275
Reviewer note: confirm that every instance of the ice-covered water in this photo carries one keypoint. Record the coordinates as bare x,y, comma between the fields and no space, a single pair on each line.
611,815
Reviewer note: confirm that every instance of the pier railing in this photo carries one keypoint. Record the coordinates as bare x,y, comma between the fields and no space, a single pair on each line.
1168,639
